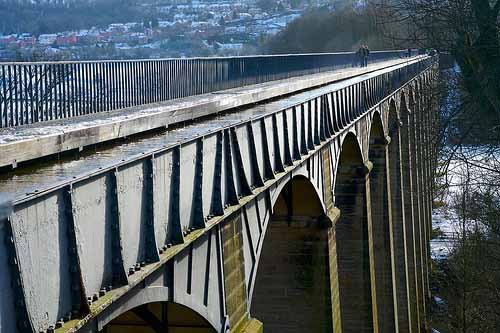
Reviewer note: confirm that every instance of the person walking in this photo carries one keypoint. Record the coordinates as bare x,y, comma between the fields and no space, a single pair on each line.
360,56
366,54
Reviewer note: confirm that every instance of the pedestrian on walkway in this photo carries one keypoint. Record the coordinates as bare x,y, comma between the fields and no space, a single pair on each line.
360,56
366,54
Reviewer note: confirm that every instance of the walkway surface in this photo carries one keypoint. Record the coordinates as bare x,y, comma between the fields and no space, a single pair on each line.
33,180
33,141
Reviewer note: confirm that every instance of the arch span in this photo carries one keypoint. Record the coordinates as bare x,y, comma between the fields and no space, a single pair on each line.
350,152
158,317
298,176
298,198
292,292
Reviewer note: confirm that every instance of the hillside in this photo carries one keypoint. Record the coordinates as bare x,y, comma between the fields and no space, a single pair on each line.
351,23
55,16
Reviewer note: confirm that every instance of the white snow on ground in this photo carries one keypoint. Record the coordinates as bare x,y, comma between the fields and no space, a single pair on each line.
476,162
438,300
446,220
445,217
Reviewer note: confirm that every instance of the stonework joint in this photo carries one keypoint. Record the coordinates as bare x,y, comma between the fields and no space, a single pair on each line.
333,215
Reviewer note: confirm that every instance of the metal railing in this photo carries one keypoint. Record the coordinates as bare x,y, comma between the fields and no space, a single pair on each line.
42,91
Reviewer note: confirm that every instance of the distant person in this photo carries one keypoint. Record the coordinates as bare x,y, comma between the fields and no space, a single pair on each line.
360,56
409,52
366,54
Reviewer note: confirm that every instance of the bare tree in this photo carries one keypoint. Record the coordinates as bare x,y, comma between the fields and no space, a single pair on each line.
468,29
468,146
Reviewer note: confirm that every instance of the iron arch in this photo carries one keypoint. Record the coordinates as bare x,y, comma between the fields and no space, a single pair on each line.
152,295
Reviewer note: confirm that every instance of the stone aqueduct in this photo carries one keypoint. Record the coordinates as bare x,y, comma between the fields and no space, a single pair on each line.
312,218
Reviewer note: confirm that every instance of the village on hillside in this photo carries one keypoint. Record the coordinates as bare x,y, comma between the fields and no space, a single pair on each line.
180,28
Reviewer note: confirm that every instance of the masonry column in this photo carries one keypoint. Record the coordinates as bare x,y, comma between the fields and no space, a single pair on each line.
418,215
334,276
292,286
401,286
382,233
426,199
429,145
234,278
349,244
408,191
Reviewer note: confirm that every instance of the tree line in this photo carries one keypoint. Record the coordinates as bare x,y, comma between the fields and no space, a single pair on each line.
321,30
468,142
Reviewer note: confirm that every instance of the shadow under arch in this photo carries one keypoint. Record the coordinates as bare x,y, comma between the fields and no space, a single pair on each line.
159,317
352,291
292,289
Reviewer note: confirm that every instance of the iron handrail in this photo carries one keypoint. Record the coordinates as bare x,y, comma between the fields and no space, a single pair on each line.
43,91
